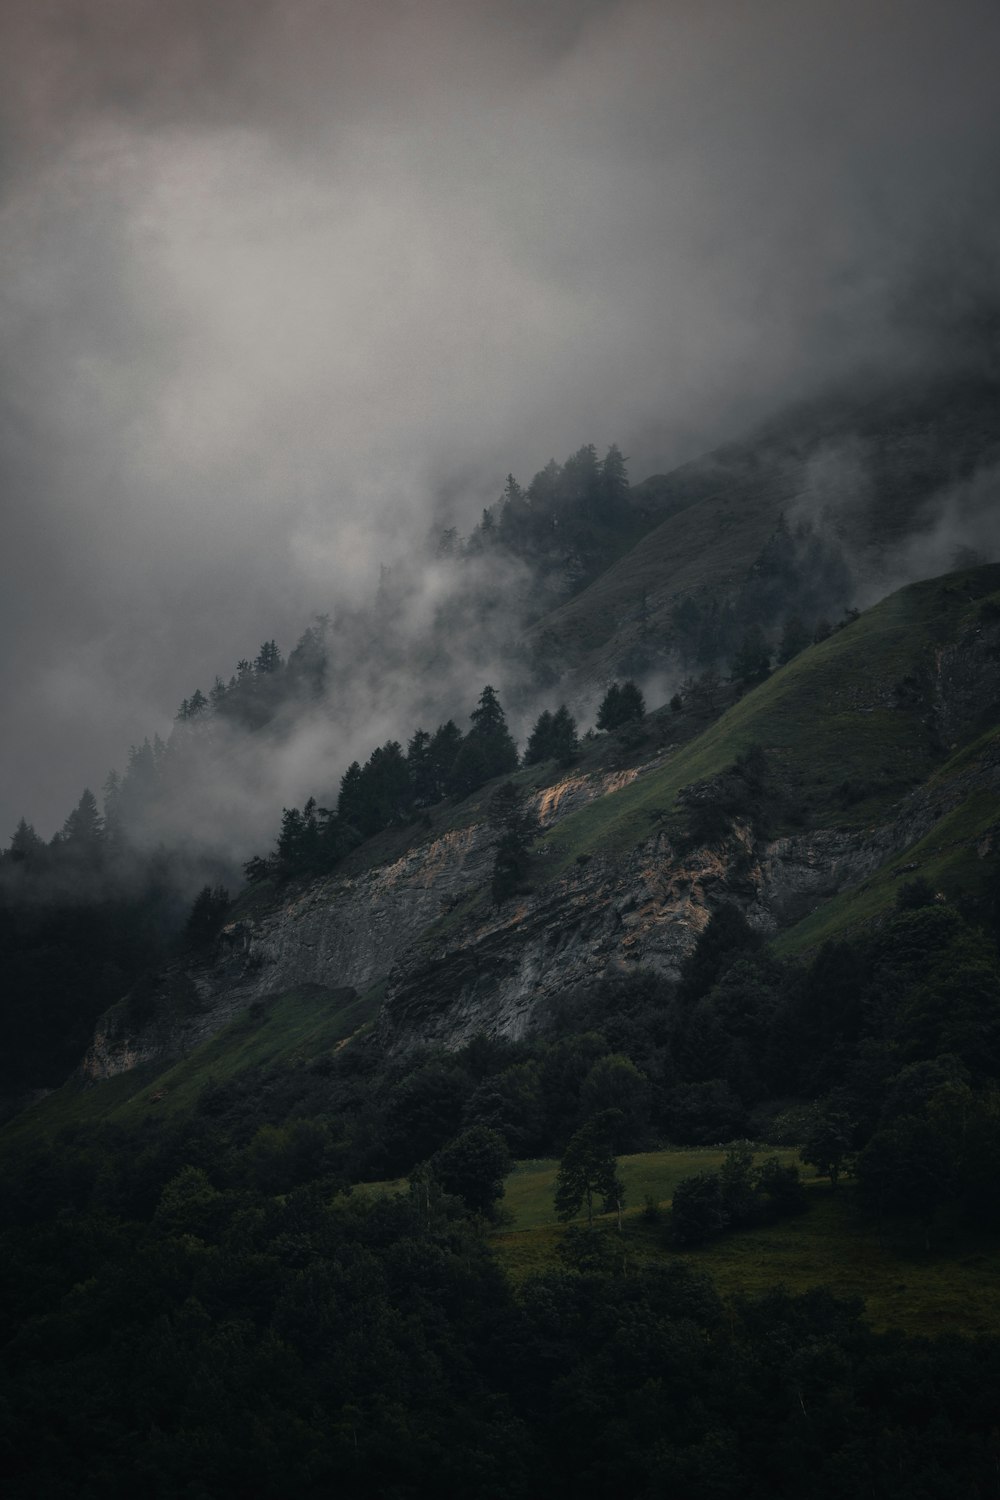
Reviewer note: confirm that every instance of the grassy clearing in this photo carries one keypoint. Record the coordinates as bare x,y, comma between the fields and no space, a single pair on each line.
529,1189
300,1024
955,1288
823,719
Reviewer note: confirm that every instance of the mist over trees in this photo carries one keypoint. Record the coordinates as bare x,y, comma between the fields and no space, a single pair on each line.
295,298
210,794
169,824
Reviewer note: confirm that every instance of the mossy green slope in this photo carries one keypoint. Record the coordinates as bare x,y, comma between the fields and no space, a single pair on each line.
842,736
908,439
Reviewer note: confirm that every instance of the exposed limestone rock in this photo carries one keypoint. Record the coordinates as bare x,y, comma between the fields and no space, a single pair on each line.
643,910
331,932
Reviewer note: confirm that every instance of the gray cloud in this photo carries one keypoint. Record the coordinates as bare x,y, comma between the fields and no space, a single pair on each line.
285,281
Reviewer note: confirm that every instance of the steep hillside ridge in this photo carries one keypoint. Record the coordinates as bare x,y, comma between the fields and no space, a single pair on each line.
853,731
864,466
337,932
849,726
646,909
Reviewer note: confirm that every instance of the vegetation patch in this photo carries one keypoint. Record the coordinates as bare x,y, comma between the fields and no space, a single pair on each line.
955,1288
300,1024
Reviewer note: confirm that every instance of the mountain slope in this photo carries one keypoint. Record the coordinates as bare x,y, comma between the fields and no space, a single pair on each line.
873,743
864,467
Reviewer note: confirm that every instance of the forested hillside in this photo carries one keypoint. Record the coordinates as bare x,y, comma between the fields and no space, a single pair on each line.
565,586
278,1257
500,772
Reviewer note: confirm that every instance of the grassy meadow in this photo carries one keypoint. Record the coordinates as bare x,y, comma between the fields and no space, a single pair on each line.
954,1287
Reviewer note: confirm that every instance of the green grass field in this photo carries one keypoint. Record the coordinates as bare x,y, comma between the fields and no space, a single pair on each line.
953,1288
529,1188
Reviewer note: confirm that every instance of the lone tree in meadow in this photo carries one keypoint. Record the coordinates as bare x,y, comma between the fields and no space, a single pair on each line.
589,1168
828,1145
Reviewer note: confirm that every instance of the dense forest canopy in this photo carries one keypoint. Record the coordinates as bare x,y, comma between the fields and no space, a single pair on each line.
207,1296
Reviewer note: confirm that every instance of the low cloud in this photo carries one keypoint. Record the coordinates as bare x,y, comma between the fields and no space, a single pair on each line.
288,285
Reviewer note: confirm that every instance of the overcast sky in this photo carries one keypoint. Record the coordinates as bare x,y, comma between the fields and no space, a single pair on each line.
280,279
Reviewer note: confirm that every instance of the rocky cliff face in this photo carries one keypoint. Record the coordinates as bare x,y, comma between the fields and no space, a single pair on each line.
645,910
454,964
332,932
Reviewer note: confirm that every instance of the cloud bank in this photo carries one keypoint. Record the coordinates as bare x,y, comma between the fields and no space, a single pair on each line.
285,284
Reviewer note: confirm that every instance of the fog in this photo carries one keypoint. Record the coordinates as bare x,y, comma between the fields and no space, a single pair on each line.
288,285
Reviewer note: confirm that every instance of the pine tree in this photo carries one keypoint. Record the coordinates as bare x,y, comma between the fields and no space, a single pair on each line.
622,705
564,741
631,704
488,749
84,828
614,482
515,516
268,659
539,746
139,786
582,489
442,754
385,788
485,534
421,771
350,800
111,804
309,843
752,663
308,661
544,489
25,846
607,714
447,543
290,838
